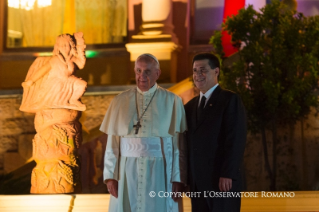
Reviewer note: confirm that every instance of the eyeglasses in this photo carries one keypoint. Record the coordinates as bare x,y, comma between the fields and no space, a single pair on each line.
201,71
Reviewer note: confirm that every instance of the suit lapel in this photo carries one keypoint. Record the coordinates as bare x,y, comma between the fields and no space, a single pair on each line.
211,106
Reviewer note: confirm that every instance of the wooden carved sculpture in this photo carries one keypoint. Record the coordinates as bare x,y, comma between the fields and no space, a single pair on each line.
53,92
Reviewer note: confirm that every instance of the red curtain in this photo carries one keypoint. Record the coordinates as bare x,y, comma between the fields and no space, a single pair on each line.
231,8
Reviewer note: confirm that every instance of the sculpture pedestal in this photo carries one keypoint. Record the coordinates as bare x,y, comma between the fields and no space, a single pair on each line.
165,52
55,151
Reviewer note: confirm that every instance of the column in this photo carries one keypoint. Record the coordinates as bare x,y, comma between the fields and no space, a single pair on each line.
156,36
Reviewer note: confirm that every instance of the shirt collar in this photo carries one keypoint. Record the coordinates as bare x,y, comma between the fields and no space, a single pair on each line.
208,93
150,91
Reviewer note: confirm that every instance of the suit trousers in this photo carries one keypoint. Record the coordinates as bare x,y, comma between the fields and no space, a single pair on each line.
201,203
206,204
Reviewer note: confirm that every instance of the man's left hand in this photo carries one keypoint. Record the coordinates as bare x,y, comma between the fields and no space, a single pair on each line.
225,184
177,189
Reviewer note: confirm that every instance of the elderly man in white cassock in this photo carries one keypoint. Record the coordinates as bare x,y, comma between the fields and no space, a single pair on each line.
145,155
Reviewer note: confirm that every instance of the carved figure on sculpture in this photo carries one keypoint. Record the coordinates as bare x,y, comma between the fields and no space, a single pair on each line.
57,169
50,82
53,92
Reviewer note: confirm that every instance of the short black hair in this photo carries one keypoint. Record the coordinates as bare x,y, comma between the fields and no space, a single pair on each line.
213,61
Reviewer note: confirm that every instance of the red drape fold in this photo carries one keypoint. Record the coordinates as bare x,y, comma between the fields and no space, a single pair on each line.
231,8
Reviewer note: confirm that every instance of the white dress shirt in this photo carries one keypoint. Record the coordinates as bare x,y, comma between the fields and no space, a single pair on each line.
208,94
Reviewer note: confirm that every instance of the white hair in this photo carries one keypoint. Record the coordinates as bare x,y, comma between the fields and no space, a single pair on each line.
151,56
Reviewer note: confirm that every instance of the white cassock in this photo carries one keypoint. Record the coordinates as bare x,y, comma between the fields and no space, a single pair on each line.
150,160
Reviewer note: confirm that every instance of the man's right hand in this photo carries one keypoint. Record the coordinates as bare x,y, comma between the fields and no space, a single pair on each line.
112,187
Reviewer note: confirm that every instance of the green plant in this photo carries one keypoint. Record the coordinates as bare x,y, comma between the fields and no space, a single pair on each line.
277,71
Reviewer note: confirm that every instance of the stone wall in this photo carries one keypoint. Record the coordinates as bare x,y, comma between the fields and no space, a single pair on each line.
17,131
17,128
295,170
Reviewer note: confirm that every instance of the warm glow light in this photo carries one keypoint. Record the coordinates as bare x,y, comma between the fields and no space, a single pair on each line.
14,3
182,86
43,54
28,4
44,3
88,54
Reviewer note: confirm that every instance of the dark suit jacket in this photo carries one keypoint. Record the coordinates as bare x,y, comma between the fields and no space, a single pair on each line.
216,143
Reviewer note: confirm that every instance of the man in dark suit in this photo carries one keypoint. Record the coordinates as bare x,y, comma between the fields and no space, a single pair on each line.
216,140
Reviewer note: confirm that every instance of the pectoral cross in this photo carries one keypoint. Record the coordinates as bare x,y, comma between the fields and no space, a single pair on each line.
137,126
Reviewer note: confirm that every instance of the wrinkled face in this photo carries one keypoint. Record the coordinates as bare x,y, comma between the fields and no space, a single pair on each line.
204,76
146,74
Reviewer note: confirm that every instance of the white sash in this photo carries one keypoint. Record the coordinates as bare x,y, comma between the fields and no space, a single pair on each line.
141,147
